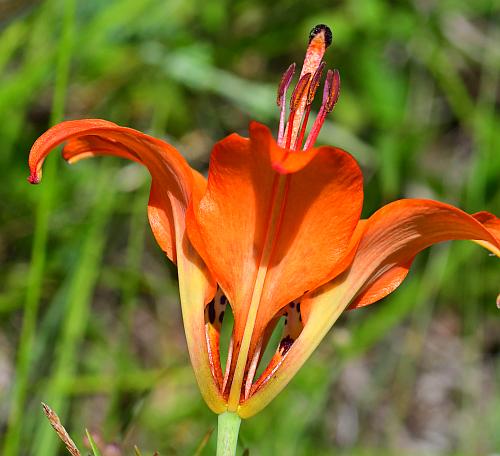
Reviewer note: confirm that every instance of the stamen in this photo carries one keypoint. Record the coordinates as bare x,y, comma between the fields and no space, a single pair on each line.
334,91
281,99
313,87
285,83
299,91
316,79
331,94
319,39
295,101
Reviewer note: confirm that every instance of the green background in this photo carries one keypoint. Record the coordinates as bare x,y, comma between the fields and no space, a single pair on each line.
89,315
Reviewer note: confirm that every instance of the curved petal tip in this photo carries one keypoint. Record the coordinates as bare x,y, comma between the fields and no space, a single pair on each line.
34,178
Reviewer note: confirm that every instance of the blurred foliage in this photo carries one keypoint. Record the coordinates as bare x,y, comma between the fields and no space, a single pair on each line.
90,321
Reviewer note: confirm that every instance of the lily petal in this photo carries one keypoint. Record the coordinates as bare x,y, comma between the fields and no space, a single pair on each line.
391,238
403,228
384,285
174,183
286,161
305,313
172,176
320,210
269,238
492,224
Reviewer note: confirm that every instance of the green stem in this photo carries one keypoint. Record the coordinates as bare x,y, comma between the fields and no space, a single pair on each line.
227,433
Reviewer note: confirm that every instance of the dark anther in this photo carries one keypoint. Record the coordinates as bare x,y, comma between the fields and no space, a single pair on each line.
298,307
322,28
316,79
298,92
292,305
223,300
333,85
211,312
221,317
285,82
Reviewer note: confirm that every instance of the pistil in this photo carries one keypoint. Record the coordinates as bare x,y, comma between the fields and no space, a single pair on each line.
319,39
291,134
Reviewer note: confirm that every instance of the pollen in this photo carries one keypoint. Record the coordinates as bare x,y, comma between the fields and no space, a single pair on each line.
332,89
299,91
315,81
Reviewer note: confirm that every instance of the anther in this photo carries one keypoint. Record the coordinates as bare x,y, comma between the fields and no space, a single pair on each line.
299,91
281,99
313,87
334,89
331,93
285,83
295,101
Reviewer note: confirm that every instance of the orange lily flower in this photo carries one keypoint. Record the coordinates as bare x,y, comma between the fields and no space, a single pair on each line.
274,232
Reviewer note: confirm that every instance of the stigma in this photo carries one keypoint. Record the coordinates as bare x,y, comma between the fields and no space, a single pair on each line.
292,131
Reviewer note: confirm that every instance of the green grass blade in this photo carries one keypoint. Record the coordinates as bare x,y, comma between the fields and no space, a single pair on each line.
93,446
78,310
38,258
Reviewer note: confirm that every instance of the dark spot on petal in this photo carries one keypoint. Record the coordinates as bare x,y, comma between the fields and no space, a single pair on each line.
211,312
285,345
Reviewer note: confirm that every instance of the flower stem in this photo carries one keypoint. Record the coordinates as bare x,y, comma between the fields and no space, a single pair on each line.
227,433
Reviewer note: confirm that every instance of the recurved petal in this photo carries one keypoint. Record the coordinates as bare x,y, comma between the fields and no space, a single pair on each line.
398,231
174,183
492,224
383,285
391,238
172,176
89,146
